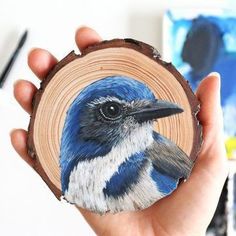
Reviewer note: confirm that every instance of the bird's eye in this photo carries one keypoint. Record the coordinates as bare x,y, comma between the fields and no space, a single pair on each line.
111,110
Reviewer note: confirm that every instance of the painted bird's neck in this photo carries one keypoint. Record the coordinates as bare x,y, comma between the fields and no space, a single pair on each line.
89,177
136,141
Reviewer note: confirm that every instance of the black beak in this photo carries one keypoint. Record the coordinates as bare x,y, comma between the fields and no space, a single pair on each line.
155,110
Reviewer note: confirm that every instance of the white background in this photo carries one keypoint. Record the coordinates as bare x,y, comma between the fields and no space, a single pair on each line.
27,207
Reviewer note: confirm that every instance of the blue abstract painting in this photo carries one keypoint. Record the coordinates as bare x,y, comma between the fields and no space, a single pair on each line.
198,43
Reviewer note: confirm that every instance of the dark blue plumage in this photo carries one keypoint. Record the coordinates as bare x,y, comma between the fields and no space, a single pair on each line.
127,174
110,157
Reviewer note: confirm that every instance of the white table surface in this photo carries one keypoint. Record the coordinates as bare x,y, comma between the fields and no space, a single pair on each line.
27,207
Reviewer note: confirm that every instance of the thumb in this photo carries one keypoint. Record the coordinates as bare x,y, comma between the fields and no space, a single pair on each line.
202,190
210,115
212,156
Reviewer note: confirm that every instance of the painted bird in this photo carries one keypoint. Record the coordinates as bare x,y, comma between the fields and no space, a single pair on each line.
111,159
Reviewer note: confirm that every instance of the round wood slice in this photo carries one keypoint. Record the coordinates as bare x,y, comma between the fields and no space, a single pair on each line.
126,57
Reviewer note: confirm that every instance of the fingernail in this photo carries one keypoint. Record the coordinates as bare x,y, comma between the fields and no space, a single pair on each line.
80,27
17,81
33,49
215,74
12,131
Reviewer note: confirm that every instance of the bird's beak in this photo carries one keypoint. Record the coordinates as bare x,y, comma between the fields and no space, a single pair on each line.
154,110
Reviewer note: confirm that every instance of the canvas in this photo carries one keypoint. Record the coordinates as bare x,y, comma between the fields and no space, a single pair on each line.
199,42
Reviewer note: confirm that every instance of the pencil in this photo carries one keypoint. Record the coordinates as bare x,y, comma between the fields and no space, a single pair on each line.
13,57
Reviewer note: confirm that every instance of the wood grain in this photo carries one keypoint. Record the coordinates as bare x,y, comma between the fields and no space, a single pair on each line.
126,57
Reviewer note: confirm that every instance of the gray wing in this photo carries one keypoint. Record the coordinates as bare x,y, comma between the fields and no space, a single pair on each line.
168,158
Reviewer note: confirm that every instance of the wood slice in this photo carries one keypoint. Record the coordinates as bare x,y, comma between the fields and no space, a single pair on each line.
126,57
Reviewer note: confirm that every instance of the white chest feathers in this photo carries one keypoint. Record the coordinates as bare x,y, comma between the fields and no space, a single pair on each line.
89,178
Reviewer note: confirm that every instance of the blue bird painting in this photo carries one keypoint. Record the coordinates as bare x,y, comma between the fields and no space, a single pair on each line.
111,159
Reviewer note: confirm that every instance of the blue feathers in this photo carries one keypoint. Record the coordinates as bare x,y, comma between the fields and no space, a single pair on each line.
120,87
127,175
164,183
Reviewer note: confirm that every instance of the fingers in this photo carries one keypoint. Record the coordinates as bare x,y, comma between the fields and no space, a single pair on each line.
212,159
24,92
41,62
19,140
85,37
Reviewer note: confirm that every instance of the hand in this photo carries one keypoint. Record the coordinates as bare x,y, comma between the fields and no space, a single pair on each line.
189,209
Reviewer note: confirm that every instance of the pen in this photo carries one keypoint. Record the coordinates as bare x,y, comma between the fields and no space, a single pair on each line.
10,63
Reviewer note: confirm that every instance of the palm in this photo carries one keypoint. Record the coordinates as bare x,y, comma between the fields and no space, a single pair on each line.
193,202
189,209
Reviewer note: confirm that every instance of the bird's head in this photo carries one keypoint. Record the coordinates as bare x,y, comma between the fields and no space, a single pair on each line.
108,110
105,113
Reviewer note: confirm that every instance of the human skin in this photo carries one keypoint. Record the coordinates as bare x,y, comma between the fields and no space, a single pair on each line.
189,209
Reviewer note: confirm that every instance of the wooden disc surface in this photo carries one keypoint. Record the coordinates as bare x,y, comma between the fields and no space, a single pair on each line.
116,57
